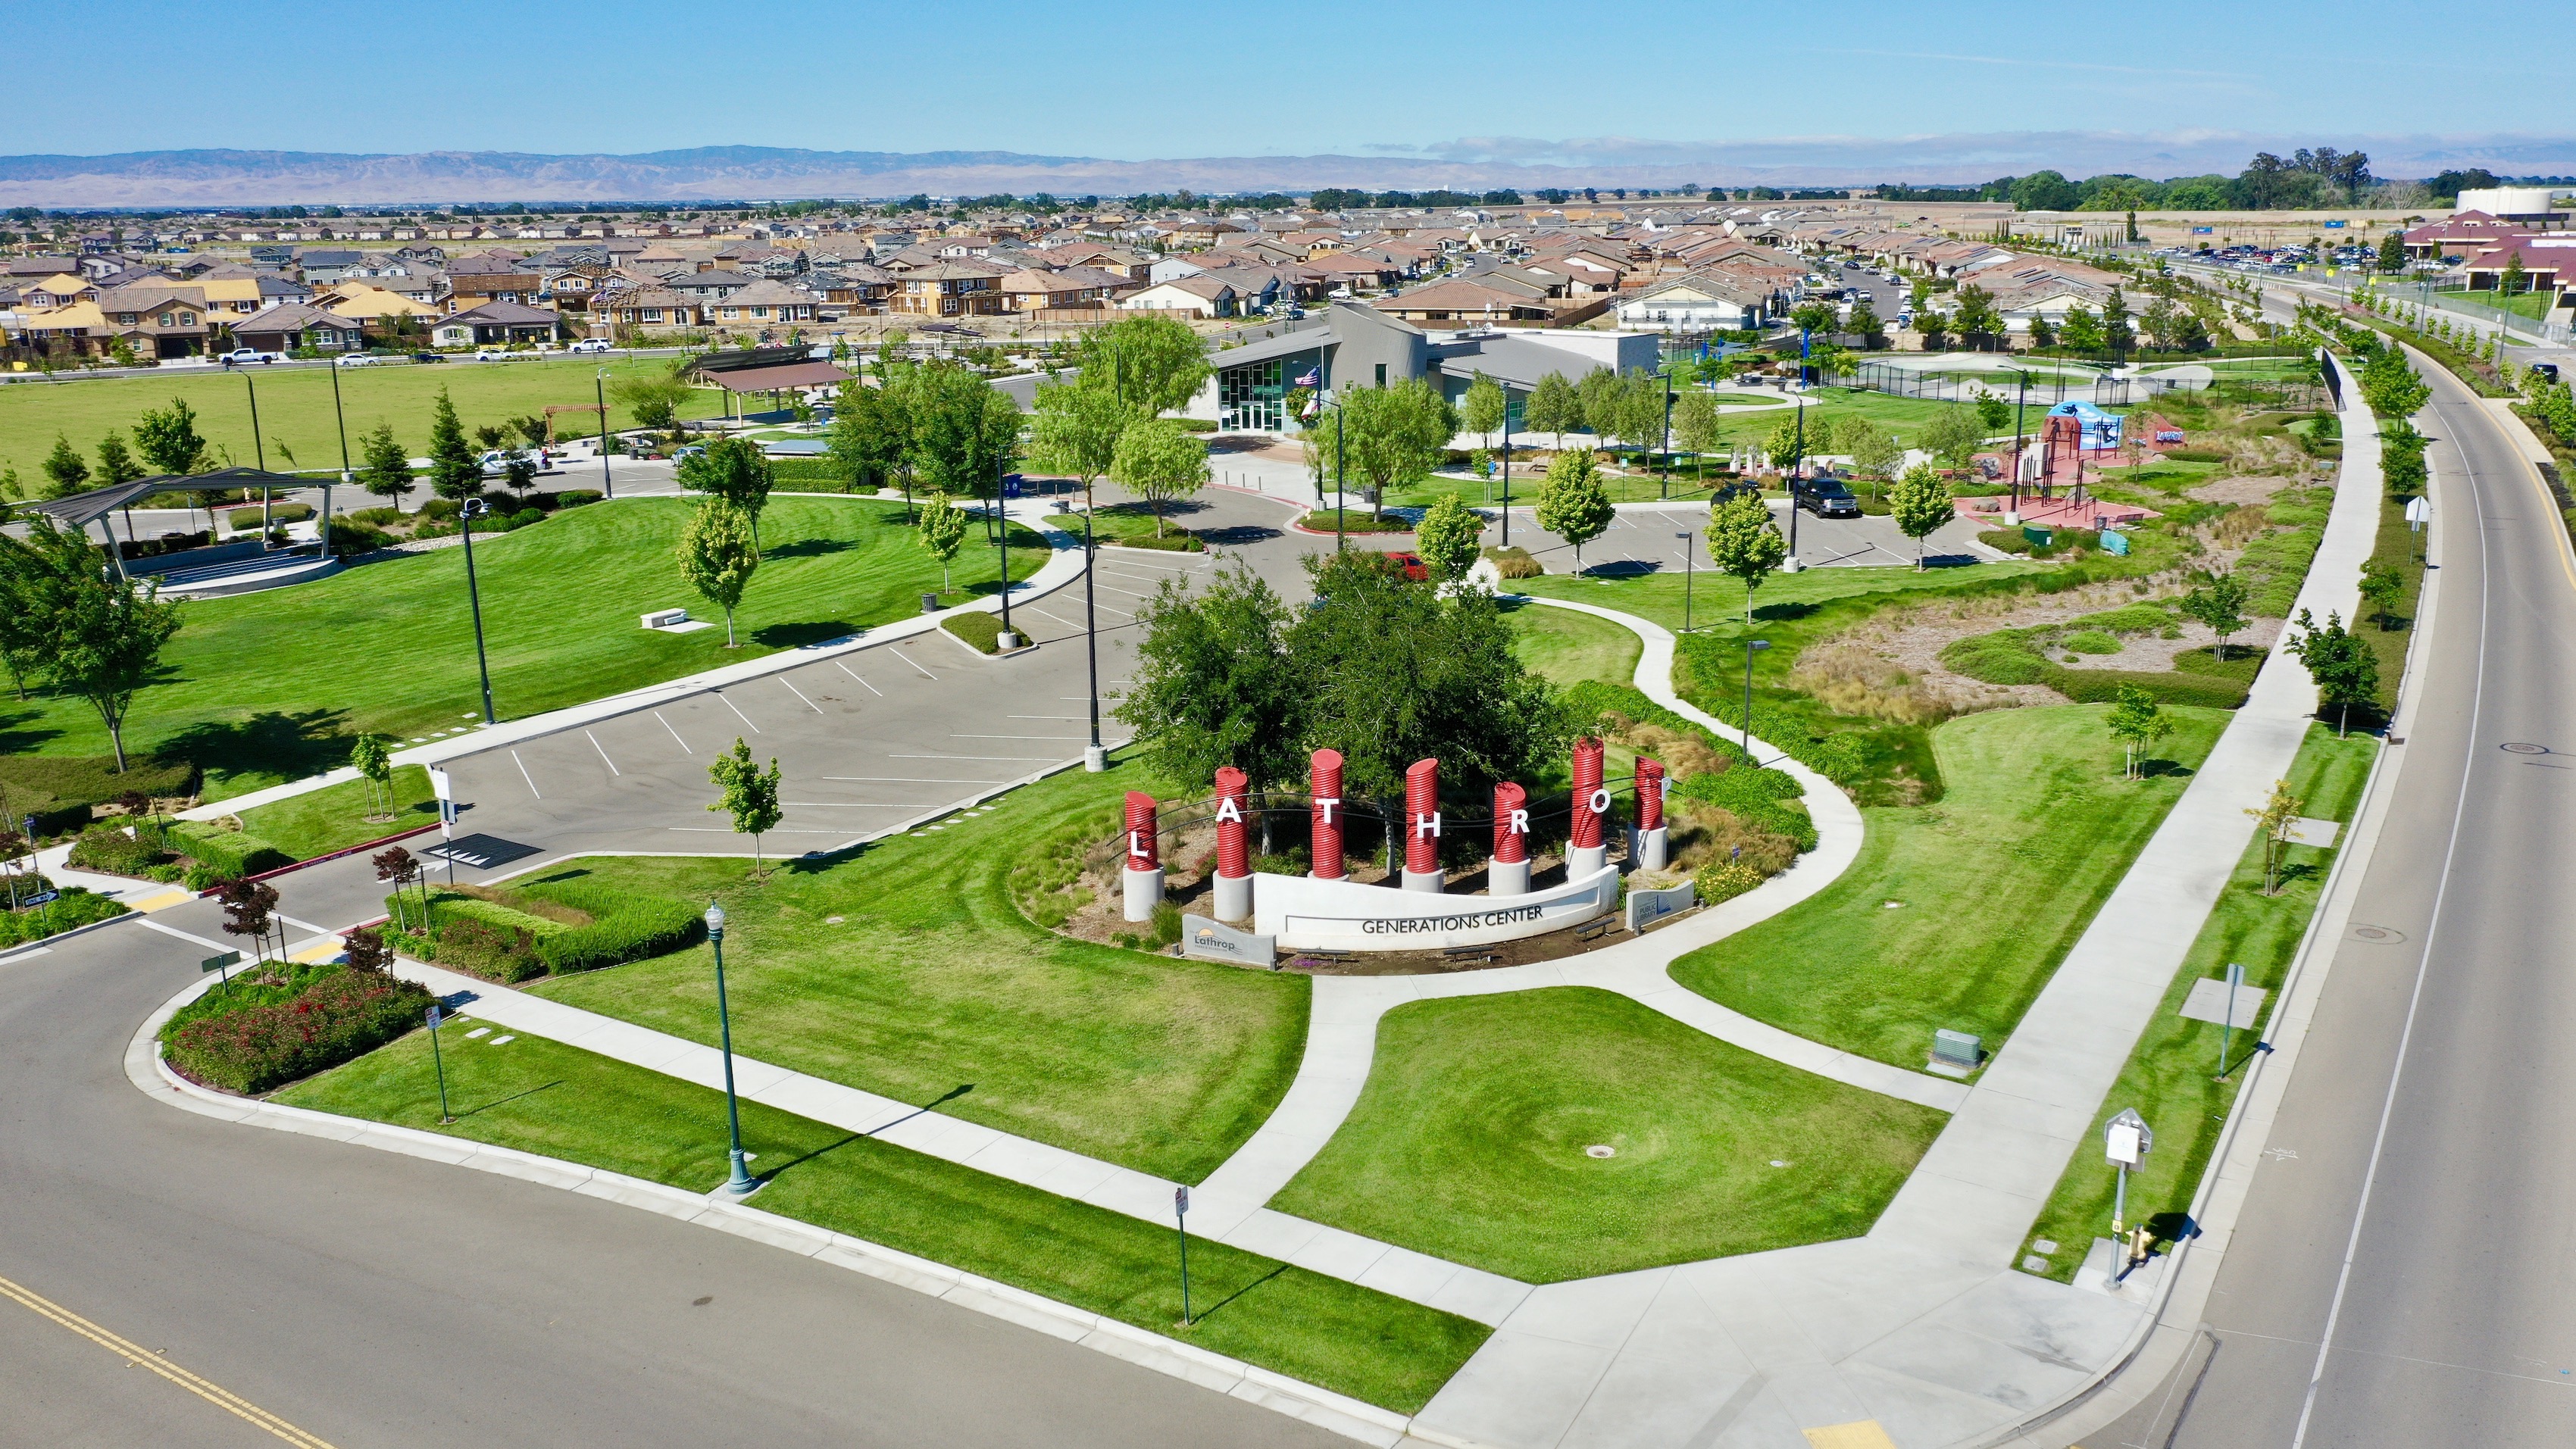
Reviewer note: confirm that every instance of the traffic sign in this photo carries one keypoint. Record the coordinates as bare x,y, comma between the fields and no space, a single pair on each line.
2418,511
218,963
2127,1140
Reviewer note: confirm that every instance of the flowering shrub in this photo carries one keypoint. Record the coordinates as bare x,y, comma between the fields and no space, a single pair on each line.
342,1016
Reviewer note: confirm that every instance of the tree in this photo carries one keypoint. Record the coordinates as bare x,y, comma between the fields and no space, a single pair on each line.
1920,503
1484,407
532,430
168,440
1076,431
1552,406
387,473
2136,723
1448,538
731,469
1599,392
1992,411
1158,461
1954,435
250,910
962,430
2274,821
1933,326
1743,541
1572,504
96,634
1863,321
116,463
2392,251
1786,444
1975,312
1151,364
1874,450
654,401
2401,456
1395,434
2115,323
717,556
375,765
2391,386
519,474
2219,606
869,433
2083,330
1699,424
1814,317
750,796
2381,587
455,472
942,530
66,468
1391,674
2343,665
1213,683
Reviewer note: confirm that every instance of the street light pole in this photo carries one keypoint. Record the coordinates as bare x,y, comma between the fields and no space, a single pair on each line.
466,513
599,389
1751,648
1001,505
341,418
1686,579
259,459
1341,539
1507,470
740,1181
1663,471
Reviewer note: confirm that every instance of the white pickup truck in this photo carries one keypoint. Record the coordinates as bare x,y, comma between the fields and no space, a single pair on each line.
249,354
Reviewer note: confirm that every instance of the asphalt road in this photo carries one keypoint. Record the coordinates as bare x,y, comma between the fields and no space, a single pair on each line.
2413,1210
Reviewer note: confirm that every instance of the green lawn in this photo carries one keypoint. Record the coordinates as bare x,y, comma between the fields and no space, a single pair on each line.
2400,548
2033,831
321,821
540,1096
934,987
1568,648
1469,1141
295,406
269,687
1717,600
2171,1074
2533,305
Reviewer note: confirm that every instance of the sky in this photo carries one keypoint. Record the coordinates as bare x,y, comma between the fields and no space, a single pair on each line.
2188,86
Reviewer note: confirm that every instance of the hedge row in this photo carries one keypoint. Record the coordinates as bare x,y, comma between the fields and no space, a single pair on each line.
224,854
74,908
341,1017
496,940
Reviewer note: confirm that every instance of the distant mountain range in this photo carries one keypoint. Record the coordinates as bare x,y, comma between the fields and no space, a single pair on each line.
208,178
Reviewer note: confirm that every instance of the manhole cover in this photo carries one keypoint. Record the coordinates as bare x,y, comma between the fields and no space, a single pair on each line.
1776,1162
2521,747
2377,933
1597,1150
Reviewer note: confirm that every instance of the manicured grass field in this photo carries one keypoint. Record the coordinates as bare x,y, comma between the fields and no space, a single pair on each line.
540,1096
1687,481
1568,648
295,406
1996,883
1717,600
934,987
334,818
1469,1141
268,687
2171,1074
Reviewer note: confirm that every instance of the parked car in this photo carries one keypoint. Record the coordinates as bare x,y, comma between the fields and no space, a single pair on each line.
693,450
429,357
490,354
357,359
247,355
1412,565
1826,498
590,344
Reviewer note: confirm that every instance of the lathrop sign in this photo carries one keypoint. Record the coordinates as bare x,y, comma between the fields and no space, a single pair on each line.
1306,914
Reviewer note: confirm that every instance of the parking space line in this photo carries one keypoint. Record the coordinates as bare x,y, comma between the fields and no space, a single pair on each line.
1043,614
800,694
842,805
1068,718
603,754
906,658
675,735
854,674
524,775
955,735
737,710
1011,759
908,780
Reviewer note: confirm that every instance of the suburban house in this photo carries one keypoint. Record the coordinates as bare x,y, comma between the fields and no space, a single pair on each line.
323,266
652,305
298,326
158,319
761,304
1459,299
1205,295
1704,302
1031,290
948,289
494,324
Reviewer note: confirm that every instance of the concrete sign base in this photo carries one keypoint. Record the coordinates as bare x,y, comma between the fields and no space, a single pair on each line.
1331,915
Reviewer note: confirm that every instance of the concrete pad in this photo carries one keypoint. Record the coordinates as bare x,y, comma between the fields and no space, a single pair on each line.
1337,1254
1272,1234
1518,1392
1964,1222
2319,833
1644,1400
1414,1277
1488,1298
1602,1312
2208,1002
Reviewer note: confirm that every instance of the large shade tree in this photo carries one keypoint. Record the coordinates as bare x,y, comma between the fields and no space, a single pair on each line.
91,632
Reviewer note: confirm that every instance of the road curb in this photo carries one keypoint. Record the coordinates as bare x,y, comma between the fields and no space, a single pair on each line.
1347,1417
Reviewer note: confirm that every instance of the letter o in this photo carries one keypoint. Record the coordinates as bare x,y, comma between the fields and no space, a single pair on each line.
1599,803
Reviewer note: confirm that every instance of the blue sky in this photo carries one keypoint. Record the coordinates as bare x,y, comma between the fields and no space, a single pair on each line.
1498,79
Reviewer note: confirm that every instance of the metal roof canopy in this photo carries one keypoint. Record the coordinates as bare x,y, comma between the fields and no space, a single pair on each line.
82,509
785,375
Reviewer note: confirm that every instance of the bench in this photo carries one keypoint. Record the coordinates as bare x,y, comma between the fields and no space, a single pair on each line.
1467,956
665,618
1596,929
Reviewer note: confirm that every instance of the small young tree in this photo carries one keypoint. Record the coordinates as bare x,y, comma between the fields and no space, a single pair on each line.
2381,587
2136,722
367,951
1159,462
387,473
1552,406
1447,538
1076,431
455,472
2083,330
1920,503
870,432
116,462
942,530
654,401
731,469
374,764
1874,450
1743,541
2345,669
399,868
1484,406
2274,820
250,910
1954,435
1572,504
750,796
1992,411
1699,424
717,557
67,470
2219,606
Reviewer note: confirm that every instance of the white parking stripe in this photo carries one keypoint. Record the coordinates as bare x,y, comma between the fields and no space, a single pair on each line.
909,780
800,694
906,658
737,710
1043,614
603,754
1074,718
956,736
1020,759
841,805
675,734
524,775
854,674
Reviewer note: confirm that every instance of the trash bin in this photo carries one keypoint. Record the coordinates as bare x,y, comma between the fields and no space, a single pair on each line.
930,603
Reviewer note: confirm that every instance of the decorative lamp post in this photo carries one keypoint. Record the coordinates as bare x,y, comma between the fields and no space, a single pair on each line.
1751,648
740,1181
466,513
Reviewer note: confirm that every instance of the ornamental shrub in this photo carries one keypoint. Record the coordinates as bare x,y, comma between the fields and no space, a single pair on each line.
74,908
224,854
1722,880
342,1017
639,927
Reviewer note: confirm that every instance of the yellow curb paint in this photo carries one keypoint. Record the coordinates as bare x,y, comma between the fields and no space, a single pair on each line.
164,901
1863,1435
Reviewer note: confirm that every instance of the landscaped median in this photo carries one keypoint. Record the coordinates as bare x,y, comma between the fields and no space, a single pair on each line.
547,1098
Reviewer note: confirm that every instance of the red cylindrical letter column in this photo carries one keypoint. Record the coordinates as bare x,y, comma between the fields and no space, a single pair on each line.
1422,827
1650,848
1584,852
1233,845
1143,876
1509,874
1324,784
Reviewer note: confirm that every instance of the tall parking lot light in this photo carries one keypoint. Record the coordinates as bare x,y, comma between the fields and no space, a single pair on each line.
740,1181
466,512
1751,648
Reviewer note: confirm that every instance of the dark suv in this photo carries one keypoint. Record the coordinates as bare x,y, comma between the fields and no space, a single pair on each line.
1826,498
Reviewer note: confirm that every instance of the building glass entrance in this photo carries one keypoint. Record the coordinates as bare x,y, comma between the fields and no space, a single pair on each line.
1250,397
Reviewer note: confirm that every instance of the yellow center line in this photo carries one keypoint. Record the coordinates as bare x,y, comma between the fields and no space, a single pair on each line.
215,1394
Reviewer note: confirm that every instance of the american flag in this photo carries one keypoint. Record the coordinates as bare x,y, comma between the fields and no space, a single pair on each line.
1313,377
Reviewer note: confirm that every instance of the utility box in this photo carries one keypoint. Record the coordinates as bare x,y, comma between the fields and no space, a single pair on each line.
1957,1049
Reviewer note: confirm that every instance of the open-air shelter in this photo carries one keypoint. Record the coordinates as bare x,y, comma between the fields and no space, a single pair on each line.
80,510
